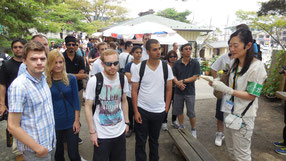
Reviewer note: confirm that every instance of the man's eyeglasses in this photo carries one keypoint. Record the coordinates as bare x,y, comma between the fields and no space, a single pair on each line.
187,48
71,44
173,56
110,63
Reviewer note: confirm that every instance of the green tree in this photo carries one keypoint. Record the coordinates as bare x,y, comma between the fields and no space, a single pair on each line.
173,14
17,17
273,25
63,16
274,7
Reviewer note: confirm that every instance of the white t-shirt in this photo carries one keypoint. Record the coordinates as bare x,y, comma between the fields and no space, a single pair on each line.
97,67
151,93
122,59
222,63
255,73
145,56
108,117
128,94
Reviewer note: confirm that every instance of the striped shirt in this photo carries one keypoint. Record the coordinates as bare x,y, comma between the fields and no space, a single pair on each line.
32,98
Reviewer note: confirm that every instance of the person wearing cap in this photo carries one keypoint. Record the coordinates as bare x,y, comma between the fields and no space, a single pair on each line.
52,45
75,66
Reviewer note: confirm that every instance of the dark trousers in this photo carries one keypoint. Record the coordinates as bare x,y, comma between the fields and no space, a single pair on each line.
130,113
113,149
174,117
284,130
72,144
151,125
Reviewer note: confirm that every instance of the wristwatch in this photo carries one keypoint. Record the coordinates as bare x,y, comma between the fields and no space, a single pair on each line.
184,81
127,123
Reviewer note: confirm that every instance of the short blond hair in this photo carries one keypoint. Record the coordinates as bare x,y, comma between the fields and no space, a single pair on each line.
33,45
108,52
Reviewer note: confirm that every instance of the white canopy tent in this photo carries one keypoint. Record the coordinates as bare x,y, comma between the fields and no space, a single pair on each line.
164,34
169,39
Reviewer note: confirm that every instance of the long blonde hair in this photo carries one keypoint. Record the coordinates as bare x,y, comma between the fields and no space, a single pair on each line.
53,55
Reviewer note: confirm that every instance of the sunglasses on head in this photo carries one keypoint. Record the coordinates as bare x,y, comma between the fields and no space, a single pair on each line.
71,44
110,63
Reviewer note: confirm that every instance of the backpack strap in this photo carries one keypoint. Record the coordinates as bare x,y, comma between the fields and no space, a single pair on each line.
99,84
121,78
141,72
165,72
126,60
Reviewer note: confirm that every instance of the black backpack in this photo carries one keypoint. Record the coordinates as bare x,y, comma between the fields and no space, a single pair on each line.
99,84
165,71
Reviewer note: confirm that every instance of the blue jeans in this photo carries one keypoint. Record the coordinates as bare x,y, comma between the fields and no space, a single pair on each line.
72,144
151,125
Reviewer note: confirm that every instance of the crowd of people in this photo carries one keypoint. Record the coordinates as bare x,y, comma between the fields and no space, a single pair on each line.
128,89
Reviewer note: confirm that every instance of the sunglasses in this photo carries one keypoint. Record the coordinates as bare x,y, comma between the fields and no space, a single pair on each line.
15,47
109,64
187,48
172,56
71,44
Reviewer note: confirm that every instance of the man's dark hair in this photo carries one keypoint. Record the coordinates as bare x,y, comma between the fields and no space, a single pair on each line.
187,44
127,43
121,42
112,45
135,48
146,34
242,26
149,42
22,41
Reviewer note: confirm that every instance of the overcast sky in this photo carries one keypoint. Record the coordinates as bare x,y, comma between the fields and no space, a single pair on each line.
204,12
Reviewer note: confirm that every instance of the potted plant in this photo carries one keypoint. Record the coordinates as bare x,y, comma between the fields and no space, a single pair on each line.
273,82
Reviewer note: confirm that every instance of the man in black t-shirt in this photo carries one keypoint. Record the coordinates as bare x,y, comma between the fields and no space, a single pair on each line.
75,66
8,72
186,71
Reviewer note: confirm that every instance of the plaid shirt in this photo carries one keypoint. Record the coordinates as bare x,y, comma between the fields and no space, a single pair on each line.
32,98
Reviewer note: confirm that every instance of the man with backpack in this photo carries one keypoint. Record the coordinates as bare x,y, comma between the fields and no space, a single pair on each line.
125,57
108,121
151,96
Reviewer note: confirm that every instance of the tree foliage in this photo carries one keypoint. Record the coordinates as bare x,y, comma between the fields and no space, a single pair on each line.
173,14
271,24
18,17
273,7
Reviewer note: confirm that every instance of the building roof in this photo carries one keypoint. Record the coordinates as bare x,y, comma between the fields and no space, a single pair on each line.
218,44
175,25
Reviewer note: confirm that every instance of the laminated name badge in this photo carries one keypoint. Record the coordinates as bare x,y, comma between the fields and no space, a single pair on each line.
254,88
226,104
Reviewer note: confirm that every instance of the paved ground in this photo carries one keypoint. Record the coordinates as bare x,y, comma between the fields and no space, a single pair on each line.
268,128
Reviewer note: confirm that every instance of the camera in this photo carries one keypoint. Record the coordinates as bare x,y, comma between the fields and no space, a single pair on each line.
282,71
4,116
